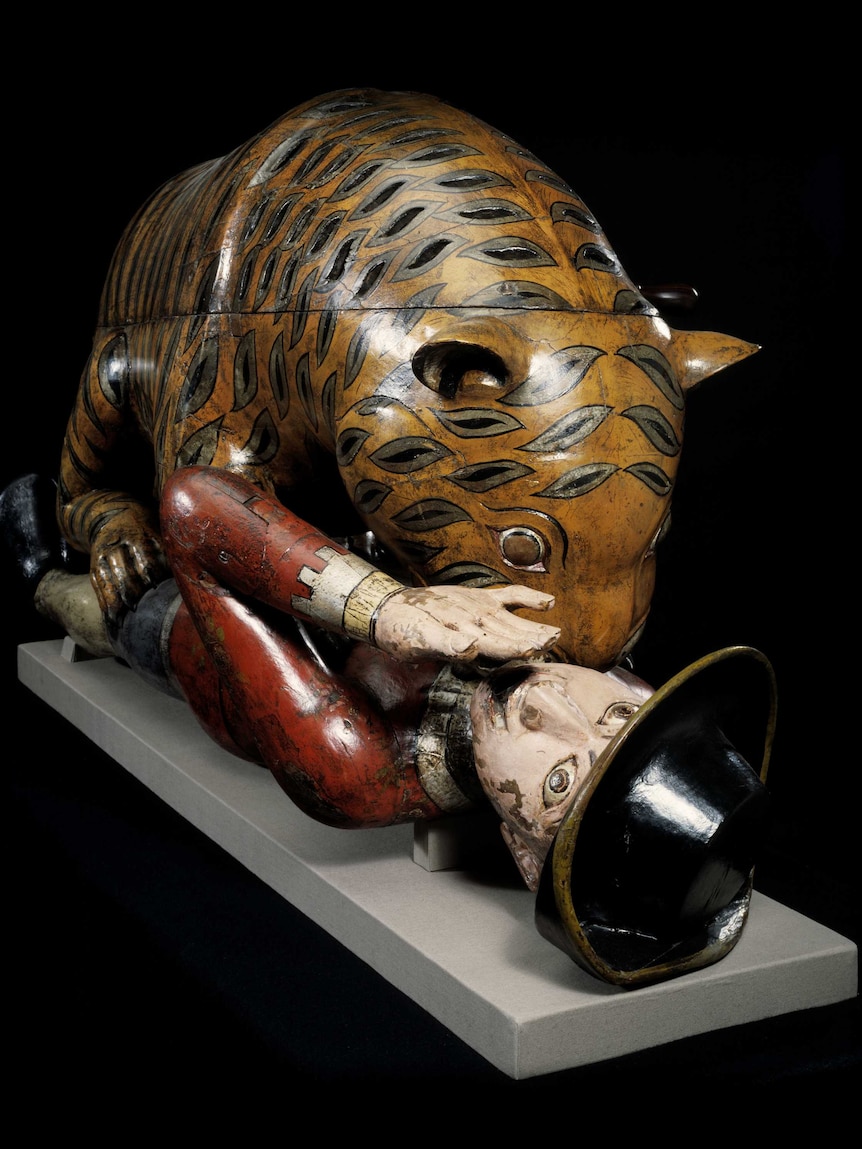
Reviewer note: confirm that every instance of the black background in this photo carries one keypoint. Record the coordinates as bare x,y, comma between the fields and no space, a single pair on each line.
142,956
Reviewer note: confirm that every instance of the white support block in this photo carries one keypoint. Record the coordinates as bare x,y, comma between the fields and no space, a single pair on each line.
455,843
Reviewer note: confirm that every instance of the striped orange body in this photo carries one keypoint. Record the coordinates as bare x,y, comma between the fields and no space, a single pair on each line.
394,318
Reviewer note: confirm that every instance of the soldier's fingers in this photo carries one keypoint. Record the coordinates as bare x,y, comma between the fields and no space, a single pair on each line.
523,596
503,647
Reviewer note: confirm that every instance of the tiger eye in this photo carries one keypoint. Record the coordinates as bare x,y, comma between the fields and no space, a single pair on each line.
522,547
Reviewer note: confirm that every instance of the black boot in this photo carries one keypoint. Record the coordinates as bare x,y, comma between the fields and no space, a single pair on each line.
29,534
43,579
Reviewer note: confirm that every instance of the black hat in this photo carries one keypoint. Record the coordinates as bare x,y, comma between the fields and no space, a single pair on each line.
649,875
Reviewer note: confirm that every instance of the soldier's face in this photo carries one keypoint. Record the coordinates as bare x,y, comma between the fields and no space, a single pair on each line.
538,730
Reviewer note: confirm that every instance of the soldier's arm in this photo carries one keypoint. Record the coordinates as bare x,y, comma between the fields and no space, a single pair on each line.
258,547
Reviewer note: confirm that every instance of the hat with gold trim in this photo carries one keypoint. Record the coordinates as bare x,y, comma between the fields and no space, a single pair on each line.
650,873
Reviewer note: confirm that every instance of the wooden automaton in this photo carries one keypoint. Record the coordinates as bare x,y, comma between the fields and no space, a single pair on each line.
371,458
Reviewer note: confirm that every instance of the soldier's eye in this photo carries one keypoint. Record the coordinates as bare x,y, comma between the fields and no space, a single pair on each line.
558,783
455,368
531,717
618,712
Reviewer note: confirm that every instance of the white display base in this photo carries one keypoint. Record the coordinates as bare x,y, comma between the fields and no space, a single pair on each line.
466,951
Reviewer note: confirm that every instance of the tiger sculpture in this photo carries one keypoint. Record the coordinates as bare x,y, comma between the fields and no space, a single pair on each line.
392,318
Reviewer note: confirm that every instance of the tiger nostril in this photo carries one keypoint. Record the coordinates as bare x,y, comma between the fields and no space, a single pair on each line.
522,547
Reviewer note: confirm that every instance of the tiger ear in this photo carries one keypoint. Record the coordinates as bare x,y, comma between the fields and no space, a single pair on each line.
699,354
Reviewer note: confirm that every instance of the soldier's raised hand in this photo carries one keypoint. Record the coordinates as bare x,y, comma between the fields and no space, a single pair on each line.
463,624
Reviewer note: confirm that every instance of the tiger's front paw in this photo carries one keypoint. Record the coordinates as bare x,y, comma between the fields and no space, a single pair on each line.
122,570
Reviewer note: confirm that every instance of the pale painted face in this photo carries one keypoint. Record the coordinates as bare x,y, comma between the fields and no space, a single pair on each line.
538,729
